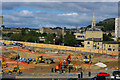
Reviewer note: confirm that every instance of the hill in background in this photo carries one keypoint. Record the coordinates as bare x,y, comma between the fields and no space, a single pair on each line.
108,24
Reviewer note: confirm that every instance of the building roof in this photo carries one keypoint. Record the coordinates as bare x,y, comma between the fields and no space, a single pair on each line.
94,39
111,42
93,29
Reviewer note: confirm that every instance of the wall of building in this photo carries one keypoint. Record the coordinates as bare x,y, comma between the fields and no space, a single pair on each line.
94,34
111,47
79,36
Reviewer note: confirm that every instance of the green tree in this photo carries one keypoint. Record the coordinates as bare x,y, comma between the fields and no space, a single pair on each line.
23,32
110,35
54,35
16,37
59,40
44,34
49,38
70,40
107,38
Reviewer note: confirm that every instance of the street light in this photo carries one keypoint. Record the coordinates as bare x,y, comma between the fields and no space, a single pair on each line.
17,56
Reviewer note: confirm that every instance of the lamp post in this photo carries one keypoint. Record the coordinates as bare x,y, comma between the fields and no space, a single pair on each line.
17,56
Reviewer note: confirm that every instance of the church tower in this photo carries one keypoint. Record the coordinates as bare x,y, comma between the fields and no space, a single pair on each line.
93,20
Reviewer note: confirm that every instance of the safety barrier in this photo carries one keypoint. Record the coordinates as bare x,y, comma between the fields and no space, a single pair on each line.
63,47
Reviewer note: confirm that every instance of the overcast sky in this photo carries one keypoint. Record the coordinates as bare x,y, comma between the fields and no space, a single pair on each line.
52,14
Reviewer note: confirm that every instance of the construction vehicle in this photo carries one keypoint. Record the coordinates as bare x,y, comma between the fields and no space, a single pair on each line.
87,59
4,64
15,70
63,66
40,59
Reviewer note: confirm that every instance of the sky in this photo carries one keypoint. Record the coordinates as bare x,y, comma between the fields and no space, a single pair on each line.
53,14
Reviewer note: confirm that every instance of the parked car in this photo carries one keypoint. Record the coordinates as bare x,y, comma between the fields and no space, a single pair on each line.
99,77
104,74
116,73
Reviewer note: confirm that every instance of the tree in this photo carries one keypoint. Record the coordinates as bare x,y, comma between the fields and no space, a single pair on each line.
44,34
107,38
70,40
110,35
23,32
16,37
59,40
54,35
49,38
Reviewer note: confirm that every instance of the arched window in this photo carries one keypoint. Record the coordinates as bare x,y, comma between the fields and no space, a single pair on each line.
88,42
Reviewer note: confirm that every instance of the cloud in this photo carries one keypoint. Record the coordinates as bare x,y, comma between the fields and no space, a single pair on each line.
60,0
39,14
68,14
26,13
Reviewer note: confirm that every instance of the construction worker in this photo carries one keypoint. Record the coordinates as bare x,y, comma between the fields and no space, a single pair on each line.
62,65
57,68
76,69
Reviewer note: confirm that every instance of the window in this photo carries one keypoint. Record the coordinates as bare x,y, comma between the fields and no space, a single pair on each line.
104,48
104,45
119,45
113,45
98,43
109,45
88,46
113,49
109,49
88,42
98,48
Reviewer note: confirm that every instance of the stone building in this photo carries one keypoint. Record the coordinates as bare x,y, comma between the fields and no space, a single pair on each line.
58,32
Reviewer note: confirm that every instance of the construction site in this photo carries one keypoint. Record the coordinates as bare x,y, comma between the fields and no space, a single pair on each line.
40,60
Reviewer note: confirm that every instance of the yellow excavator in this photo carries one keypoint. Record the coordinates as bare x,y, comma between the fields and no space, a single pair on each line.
40,59
4,64
15,70
87,59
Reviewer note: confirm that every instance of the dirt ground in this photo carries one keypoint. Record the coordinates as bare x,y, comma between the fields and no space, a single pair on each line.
42,68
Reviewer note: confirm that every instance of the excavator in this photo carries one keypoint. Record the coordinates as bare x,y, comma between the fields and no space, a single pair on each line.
15,70
40,59
4,64
87,59
65,64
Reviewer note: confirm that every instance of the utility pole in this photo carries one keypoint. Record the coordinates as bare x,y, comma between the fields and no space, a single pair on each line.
17,57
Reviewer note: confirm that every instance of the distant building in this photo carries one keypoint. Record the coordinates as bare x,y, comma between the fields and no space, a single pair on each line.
111,45
117,28
94,39
79,36
102,45
94,32
58,32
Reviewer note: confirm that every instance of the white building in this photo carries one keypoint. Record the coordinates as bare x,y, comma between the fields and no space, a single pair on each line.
117,28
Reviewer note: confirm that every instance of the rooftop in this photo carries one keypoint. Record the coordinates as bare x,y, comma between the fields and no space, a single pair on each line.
93,29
